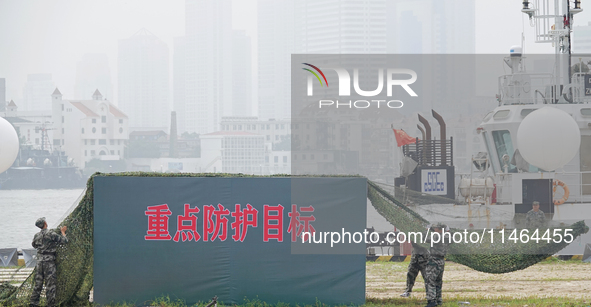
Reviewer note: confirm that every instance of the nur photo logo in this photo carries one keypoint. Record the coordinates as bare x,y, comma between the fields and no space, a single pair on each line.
388,78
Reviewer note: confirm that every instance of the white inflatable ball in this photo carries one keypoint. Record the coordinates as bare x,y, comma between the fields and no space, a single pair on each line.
548,138
8,145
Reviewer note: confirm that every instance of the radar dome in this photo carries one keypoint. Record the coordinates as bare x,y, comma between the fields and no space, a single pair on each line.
548,138
515,51
8,145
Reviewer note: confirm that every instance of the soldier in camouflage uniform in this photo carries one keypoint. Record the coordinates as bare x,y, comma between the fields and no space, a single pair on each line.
435,267
418,262
46,242
535,218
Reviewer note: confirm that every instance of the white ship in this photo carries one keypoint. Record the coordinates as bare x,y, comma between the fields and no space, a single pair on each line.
506,180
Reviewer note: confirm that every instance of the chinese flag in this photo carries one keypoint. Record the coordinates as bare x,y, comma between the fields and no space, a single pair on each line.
402,138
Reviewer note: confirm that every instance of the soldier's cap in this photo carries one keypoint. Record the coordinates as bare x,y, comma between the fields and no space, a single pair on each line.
40,222
535,203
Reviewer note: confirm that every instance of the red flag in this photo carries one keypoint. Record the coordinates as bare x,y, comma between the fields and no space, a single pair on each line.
402,138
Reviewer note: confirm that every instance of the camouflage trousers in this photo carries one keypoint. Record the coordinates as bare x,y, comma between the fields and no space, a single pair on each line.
417,264
45,271
434,279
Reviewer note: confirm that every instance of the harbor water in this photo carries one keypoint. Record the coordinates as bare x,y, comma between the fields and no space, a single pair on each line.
19,209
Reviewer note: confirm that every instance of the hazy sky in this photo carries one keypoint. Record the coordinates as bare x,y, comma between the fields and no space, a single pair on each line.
40,36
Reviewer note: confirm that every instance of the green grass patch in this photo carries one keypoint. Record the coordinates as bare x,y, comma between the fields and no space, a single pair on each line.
374,302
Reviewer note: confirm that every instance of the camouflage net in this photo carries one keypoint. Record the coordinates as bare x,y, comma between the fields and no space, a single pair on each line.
75,259
496,257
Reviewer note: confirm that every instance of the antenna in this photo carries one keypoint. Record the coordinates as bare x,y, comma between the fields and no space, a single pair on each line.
44,137
553,24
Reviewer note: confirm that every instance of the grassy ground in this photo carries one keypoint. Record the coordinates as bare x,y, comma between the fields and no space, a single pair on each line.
372,302
553,278
549,283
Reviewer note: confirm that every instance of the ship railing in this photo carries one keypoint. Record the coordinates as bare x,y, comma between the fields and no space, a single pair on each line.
526,88
580,88
430,152
578,184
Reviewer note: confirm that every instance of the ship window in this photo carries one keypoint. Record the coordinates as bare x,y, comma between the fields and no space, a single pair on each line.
501,114
525,112
504,146
586,112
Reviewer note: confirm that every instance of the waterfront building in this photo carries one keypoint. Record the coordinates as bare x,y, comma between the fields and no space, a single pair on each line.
89,129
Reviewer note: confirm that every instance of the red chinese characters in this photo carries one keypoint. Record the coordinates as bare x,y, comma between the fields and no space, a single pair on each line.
158,222
215,222
187,230
299,223
213,228
273,223
243,219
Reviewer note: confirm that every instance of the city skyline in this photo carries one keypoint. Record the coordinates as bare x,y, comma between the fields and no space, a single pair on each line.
59,47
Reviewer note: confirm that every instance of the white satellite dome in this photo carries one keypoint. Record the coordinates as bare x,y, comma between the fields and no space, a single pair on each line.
8,145
548,138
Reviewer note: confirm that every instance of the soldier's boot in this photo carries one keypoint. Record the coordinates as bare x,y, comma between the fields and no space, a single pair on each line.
432,303
405,294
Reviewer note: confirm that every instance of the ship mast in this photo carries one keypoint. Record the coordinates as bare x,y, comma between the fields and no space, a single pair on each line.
553,24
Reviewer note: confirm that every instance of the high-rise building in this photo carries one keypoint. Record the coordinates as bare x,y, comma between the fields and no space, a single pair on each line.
313,27
207,70
582,39
434,26
93,72
143,80
275,46
2,94
37,92
340,26
179,84
241,104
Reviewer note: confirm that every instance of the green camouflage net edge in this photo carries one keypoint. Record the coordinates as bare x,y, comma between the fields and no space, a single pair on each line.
75,259
496,257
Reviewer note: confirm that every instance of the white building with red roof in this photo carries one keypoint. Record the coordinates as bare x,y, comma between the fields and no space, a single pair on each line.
89,129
